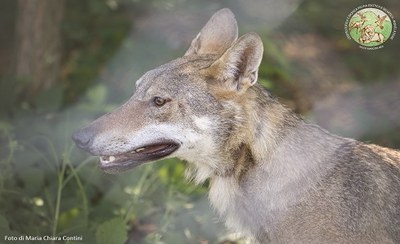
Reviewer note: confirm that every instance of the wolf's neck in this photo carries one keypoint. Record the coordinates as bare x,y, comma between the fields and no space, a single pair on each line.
259,126
271,122
265,192
278,158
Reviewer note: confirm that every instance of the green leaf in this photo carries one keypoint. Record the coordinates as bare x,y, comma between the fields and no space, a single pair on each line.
112,232
97,95
33,178
50,100
5,127
4,223
5,228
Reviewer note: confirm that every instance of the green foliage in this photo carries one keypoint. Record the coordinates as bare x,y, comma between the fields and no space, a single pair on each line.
97,95
8,87
112,231
274,72
92,31
54,94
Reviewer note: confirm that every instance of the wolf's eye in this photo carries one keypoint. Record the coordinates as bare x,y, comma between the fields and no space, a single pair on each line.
159,101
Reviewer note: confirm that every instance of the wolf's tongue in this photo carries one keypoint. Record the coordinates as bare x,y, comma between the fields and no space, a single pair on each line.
152,149
139,154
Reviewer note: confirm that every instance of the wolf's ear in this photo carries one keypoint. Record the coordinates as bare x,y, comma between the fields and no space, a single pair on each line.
217,35
237,68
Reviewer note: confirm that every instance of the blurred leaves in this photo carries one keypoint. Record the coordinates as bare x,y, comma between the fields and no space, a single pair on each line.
92,32
112,231
53,94
97,95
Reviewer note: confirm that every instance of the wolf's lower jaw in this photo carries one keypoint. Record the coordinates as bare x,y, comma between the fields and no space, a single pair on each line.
138,156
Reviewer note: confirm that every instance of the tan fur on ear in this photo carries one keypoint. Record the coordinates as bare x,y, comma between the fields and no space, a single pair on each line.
217,35
237,68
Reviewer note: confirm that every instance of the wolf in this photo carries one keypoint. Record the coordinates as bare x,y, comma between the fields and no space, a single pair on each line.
368,35
274,177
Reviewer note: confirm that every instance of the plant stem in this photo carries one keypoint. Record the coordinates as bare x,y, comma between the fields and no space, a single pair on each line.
58,202
140,184
82,190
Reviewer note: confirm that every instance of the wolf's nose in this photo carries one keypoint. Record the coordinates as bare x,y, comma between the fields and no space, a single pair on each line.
83,138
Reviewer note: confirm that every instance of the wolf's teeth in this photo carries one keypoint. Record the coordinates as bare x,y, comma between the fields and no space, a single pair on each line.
139,149
112,158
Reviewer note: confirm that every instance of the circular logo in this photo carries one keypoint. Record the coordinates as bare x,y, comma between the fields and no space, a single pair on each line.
370,26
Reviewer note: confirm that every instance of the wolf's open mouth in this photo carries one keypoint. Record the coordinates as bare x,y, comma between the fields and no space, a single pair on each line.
138,156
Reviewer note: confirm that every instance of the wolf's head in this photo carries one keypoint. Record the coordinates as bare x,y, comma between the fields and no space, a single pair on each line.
180,109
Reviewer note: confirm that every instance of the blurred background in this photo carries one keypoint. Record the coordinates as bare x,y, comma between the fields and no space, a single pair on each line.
65,62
